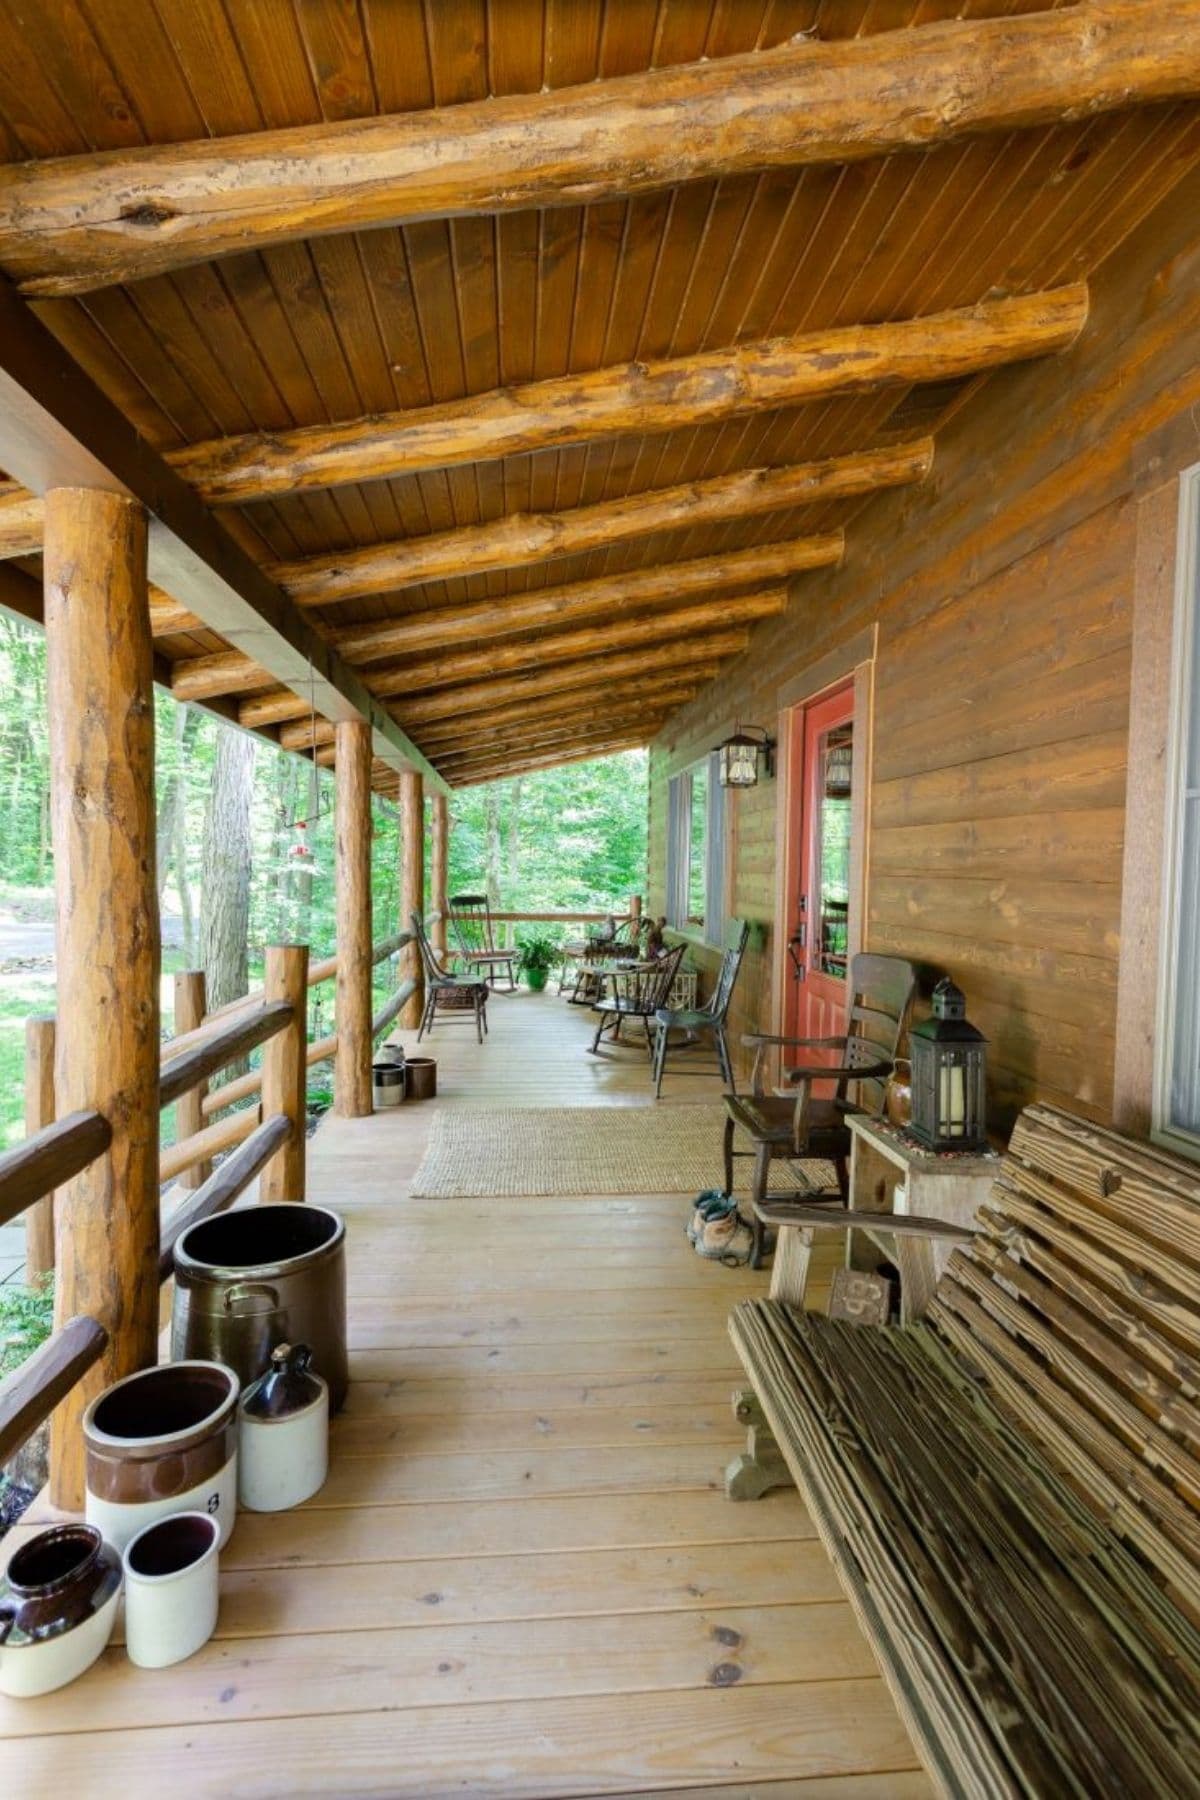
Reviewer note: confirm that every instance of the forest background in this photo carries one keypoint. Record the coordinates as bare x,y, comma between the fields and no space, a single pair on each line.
570,839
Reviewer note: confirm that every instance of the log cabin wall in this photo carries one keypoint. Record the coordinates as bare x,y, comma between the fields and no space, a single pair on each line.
1002,595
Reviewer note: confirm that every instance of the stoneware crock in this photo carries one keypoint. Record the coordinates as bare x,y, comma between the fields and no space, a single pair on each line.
260,1276
58,1604
162,1441
171,1589
283,1433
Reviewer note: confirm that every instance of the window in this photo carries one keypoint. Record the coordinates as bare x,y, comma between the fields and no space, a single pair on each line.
1177,1083
696,851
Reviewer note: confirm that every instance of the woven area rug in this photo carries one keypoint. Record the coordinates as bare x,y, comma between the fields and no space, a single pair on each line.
477,1151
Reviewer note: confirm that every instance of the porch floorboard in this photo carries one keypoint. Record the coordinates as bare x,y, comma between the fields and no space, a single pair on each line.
522,1578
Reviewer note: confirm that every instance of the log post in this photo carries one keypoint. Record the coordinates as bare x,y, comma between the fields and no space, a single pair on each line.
101,721
39,1111
190,1006
285,1071
412,887
439,899
352,1078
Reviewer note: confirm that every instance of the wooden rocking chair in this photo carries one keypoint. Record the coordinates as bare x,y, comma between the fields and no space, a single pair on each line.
798,1128
471,923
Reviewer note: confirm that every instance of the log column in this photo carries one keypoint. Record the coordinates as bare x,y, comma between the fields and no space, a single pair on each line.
412,887
352,1077
101,718
285,1071
441,858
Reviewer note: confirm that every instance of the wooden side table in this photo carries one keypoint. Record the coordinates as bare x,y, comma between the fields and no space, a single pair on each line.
889,1173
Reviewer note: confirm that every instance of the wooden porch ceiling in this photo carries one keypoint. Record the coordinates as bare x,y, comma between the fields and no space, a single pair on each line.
484,444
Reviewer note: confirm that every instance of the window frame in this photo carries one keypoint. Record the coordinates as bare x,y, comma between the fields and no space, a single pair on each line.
1183,718
679,852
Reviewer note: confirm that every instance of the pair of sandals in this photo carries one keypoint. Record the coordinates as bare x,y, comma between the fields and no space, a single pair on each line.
717,1231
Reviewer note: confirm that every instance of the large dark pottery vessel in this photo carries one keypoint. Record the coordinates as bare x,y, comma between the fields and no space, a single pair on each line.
262,1276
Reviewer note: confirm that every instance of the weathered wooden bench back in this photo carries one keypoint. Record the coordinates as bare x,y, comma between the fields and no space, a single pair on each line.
1079,1303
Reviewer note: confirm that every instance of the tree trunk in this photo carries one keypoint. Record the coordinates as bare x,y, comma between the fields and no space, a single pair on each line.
491,826
513,860
225,896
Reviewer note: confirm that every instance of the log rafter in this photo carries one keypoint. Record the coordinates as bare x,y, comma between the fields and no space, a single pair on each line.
662,635
607,597
68,224
670,394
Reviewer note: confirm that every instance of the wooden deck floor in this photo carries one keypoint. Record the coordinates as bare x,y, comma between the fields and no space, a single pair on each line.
522,1578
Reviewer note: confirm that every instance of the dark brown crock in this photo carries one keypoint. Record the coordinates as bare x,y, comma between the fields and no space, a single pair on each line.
56,1581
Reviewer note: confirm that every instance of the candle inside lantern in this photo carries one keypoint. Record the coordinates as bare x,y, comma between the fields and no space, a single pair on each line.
952,1100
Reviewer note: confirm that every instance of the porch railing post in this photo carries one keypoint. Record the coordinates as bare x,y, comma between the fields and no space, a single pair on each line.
101,721
39,1111
352,788
412,887
191,1003
285,1071
439,877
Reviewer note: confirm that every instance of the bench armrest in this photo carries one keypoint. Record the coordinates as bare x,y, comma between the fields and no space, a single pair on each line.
836,1218
753,1038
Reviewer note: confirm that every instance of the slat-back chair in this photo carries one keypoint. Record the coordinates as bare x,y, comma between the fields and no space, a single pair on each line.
645,989
453,996
797,1127
700,1022
475,936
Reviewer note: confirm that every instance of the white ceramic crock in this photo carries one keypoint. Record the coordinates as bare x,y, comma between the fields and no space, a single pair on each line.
162,1441
283,1434
171,1589
58,1605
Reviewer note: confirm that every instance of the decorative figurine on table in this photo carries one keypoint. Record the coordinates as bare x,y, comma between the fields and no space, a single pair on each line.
656,945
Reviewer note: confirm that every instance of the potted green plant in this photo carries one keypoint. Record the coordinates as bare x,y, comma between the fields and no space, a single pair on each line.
539,954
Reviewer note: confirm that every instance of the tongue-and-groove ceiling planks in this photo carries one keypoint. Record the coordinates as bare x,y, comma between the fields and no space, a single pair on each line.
311,333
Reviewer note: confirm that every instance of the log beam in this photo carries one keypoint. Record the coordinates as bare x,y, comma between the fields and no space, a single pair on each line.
59,430
69,224
39,1112
100,701
674,689
521,540
643,722
352,832
606,597
285,1070
656,632
412,891
665,395
190,1007
545,759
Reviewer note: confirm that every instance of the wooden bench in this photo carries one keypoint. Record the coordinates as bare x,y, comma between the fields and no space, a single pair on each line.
1010,1489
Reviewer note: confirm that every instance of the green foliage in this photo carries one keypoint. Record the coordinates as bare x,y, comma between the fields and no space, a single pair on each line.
26,1320
538,950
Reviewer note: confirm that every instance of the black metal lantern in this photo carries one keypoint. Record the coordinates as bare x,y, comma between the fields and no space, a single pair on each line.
949,1098
739,757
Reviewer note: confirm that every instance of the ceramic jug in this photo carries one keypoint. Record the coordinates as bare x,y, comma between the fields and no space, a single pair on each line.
283,1433
58,1604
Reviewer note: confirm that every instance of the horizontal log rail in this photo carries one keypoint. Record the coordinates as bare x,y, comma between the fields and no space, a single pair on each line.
51,1156
237,1037
391,1007
321,1050
210,1142
29,1394
224,1185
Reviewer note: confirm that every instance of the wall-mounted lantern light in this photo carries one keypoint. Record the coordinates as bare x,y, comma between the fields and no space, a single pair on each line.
741,756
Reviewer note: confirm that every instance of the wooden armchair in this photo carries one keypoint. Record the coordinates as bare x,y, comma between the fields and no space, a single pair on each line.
798,1127
646,988
474,934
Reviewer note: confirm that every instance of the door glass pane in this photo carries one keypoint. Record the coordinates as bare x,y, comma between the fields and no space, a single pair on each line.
697,849
1184,1096
832,849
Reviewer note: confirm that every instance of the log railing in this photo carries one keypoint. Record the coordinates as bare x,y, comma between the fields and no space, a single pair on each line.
61,1149
28,1174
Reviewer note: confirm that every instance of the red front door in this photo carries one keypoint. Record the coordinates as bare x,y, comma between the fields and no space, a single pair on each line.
819,787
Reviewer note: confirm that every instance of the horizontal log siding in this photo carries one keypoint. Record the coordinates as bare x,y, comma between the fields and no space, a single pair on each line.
1002,591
